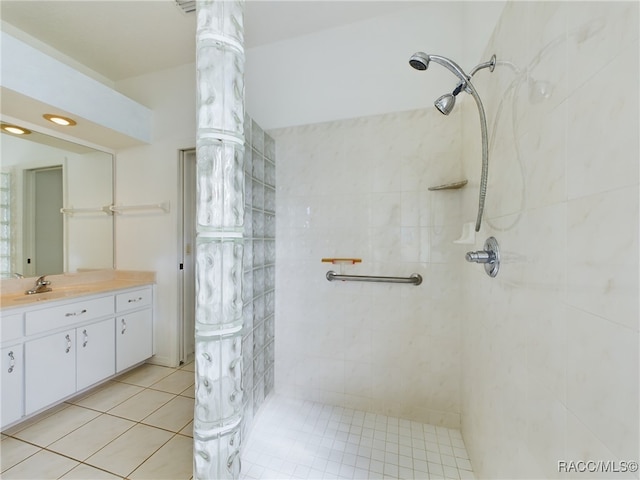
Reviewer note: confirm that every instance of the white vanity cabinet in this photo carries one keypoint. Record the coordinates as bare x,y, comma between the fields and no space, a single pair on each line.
95,353
12,383
12,394
50,372
53,350
134,328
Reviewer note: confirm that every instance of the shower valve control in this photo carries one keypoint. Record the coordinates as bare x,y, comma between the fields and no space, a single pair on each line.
490,257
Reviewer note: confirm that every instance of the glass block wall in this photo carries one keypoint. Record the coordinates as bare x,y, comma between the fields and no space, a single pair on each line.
5,225
259,268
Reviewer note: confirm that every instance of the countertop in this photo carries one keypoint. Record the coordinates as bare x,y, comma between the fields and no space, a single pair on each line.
71,285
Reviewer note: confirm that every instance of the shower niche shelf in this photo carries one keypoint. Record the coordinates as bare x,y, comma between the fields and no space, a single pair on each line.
449,186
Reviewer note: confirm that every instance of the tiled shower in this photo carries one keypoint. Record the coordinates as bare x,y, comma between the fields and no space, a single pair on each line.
537,366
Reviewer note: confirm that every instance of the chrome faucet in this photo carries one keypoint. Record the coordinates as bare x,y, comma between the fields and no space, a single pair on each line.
41,286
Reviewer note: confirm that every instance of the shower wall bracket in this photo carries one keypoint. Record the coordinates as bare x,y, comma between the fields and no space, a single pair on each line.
490,257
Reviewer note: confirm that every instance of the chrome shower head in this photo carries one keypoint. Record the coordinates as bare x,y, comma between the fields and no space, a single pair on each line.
445,103
419,61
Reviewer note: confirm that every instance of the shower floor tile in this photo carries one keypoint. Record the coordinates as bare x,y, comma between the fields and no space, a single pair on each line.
297,439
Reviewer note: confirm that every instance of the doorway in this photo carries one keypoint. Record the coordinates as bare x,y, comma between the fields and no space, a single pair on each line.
43,222
186,257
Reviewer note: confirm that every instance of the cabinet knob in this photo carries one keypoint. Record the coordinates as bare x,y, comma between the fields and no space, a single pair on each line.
68,338
12,362
134,300
75,314
86,338
124,326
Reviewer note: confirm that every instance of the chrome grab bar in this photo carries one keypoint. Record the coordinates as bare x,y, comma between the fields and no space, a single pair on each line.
414,279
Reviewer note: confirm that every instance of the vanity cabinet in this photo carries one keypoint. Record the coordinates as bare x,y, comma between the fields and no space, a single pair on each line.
95,353
12,383
53,351
134,328
50,372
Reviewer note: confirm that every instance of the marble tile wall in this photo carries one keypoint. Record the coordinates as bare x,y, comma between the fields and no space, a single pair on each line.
259,269
550,346
359,188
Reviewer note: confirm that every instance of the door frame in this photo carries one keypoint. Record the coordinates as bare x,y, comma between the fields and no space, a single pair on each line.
186,260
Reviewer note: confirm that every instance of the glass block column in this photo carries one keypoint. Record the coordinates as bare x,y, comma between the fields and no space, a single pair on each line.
219,238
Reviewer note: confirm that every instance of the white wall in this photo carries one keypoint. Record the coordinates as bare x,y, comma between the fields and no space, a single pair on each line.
362,68
149,175
550,346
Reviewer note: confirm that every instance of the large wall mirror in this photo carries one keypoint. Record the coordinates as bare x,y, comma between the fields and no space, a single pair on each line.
54,206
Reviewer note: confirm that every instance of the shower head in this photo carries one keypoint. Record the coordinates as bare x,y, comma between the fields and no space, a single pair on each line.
445,103
419,61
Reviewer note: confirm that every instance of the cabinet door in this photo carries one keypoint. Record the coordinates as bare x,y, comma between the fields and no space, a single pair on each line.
50,369
96,353
134,338
12,384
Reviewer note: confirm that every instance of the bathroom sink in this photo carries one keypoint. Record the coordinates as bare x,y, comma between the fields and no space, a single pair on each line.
39,297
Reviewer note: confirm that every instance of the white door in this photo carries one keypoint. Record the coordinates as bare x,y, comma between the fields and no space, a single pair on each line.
95,353
12,384
50,369
187,259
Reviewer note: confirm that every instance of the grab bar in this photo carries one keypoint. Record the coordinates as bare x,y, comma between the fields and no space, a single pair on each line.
415,278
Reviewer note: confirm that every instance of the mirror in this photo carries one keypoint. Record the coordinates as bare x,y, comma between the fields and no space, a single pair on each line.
40,175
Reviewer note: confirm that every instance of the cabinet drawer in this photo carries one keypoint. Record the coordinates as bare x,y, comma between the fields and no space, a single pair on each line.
134,299
67,314
11,326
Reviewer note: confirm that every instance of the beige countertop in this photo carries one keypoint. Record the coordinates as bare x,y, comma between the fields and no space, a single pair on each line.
71,285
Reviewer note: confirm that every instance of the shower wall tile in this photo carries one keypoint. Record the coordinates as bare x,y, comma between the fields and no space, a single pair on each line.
359,188
549,347
612,133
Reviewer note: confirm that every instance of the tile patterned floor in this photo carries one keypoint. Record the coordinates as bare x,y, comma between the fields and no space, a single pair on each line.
295,439
137,426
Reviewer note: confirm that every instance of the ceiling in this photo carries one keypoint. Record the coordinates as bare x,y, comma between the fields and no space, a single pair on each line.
123,39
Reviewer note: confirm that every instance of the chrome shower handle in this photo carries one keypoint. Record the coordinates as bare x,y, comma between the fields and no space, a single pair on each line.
480,257
490,257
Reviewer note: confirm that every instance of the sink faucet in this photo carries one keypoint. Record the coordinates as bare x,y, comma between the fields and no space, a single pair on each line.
41,286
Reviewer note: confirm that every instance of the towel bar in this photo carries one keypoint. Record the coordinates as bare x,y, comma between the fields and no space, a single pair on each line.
415,278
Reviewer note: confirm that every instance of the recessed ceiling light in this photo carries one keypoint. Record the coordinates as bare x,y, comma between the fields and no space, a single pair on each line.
15,130
59,120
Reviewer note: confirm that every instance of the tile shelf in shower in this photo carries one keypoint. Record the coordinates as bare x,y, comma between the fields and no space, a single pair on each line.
450,186
349,261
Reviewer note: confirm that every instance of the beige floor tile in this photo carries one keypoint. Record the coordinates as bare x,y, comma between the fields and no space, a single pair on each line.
173,416
14,451
86,472
188,430
41,466
91,437
190,367
145,375
174,461
56,426
35,419
142,405
127,452
177,382
189,392
108,396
